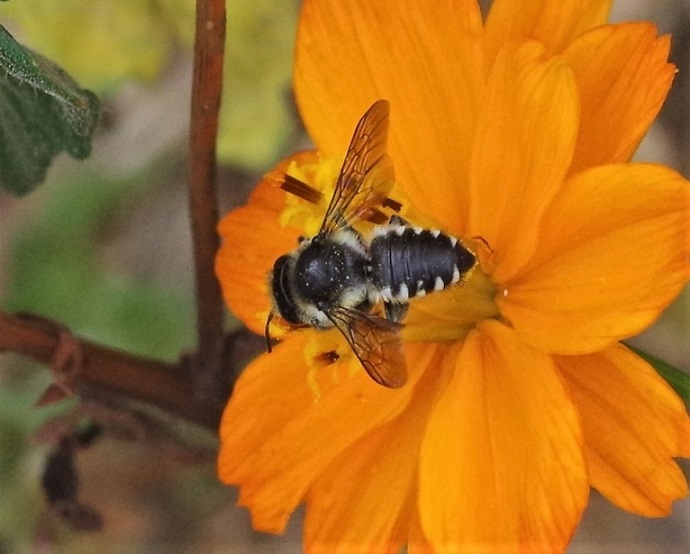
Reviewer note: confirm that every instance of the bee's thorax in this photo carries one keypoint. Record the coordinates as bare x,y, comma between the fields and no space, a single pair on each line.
330,272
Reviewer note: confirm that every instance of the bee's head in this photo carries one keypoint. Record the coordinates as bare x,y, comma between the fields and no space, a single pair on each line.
282,289
284,303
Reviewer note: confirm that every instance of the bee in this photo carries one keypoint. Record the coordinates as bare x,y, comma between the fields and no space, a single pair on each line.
336,278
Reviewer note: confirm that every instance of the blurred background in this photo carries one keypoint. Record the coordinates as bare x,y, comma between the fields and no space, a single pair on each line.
104,247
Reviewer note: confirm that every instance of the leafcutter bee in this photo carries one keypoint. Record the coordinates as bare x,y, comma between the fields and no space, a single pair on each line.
337,277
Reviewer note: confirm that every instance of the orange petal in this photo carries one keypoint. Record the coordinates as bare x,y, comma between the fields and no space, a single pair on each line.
623,77
613,254
684,450
502,467
423,56
365,500
278,433
525,140
553,22
418,542
252,240
633,425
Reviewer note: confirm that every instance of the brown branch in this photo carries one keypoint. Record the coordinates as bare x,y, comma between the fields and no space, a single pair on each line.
206,97
198,395
159,384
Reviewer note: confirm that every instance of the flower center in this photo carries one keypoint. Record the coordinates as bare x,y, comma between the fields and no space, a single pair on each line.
440,316
319,173
448,315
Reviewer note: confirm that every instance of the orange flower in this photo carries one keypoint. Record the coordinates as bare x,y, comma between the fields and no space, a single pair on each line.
518,130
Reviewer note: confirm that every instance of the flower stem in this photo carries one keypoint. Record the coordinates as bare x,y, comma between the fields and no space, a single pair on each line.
206,97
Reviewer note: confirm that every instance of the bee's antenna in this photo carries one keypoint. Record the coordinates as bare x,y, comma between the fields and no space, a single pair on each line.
267,332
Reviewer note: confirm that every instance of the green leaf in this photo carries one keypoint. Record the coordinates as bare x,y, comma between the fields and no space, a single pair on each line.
677,378
42,112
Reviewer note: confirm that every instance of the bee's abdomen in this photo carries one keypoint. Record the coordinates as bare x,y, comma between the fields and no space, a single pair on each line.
408,262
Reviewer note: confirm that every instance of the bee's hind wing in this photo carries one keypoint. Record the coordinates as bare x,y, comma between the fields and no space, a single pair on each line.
376,342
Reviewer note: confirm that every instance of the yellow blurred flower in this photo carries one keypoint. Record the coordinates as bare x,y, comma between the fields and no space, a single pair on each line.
519,130
106,42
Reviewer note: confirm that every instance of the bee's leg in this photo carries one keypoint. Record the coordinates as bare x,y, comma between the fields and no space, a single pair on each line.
395,311
396,220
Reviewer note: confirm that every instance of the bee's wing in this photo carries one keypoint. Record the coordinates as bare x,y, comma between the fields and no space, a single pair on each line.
302,190
376,342
367,174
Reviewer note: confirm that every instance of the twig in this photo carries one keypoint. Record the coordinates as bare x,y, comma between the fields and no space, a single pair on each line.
159,384
206,96
197,396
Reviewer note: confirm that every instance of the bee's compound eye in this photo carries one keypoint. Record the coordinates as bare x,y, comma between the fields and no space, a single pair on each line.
282,291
